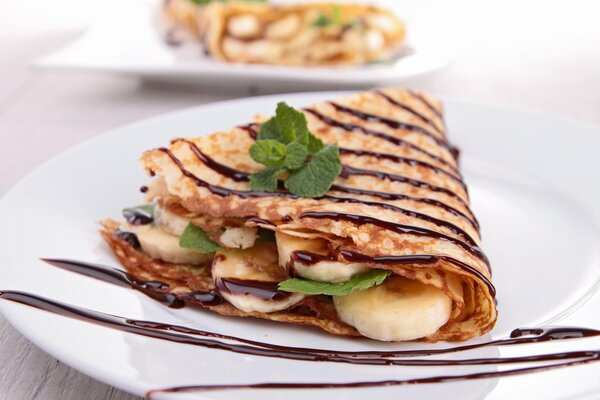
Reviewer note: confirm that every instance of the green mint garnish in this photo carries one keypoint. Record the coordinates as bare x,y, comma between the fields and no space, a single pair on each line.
359,282
195,239
317,175
285,144
266,180
335,18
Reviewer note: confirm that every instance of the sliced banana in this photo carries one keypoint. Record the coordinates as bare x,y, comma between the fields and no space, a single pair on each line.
324,271
243,26
241,237
248,279
164,246
172,219
397,310
168,219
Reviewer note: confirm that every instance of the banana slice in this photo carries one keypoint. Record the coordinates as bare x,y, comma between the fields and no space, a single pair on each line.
324,270
172,218
163,246
397,310
248,279
169,218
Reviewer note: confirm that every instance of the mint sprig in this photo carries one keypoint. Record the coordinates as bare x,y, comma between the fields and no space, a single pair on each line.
359,282
285,144
195,239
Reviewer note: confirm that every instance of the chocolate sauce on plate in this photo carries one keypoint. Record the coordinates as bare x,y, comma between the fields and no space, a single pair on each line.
191,336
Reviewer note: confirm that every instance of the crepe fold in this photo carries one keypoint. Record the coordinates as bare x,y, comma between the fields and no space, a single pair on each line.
399,204
301,34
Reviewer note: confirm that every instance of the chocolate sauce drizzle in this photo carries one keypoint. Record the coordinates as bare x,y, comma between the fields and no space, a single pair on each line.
310,258
411,110
397,196
191,336
410,161
260,289
222,169
418,259
380,135
195,337
154,289
217,167
351,171
394,124
137,216
395,227
427,103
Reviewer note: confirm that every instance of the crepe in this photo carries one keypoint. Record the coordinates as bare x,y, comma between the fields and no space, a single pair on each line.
399,204
302,34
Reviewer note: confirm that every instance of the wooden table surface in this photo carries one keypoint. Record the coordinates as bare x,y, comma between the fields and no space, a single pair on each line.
537,54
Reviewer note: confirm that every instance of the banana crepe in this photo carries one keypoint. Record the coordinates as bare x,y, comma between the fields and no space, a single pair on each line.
301,34
367,231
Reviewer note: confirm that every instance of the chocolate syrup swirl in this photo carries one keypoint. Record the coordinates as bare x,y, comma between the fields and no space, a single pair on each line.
394,124
156,290
190,336
587,357
411,110
398,228
380,135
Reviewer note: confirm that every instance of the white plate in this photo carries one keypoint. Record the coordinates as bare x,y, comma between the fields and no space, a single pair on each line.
129,42
533,182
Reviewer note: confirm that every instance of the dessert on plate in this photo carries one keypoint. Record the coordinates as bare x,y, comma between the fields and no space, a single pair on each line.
302,34
350,215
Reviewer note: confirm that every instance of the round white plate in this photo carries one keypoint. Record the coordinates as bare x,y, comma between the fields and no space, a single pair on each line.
533,182
131,42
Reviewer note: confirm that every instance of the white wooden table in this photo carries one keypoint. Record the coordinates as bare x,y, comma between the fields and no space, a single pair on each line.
539,55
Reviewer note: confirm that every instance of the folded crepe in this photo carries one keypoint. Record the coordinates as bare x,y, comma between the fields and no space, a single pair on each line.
390,252
299,34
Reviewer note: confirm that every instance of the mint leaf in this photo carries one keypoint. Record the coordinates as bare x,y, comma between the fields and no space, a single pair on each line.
284,144
266,180
359,282
314,144
139,215
268,152
287,126
321,21
296,155
336,15
316,177
195,239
